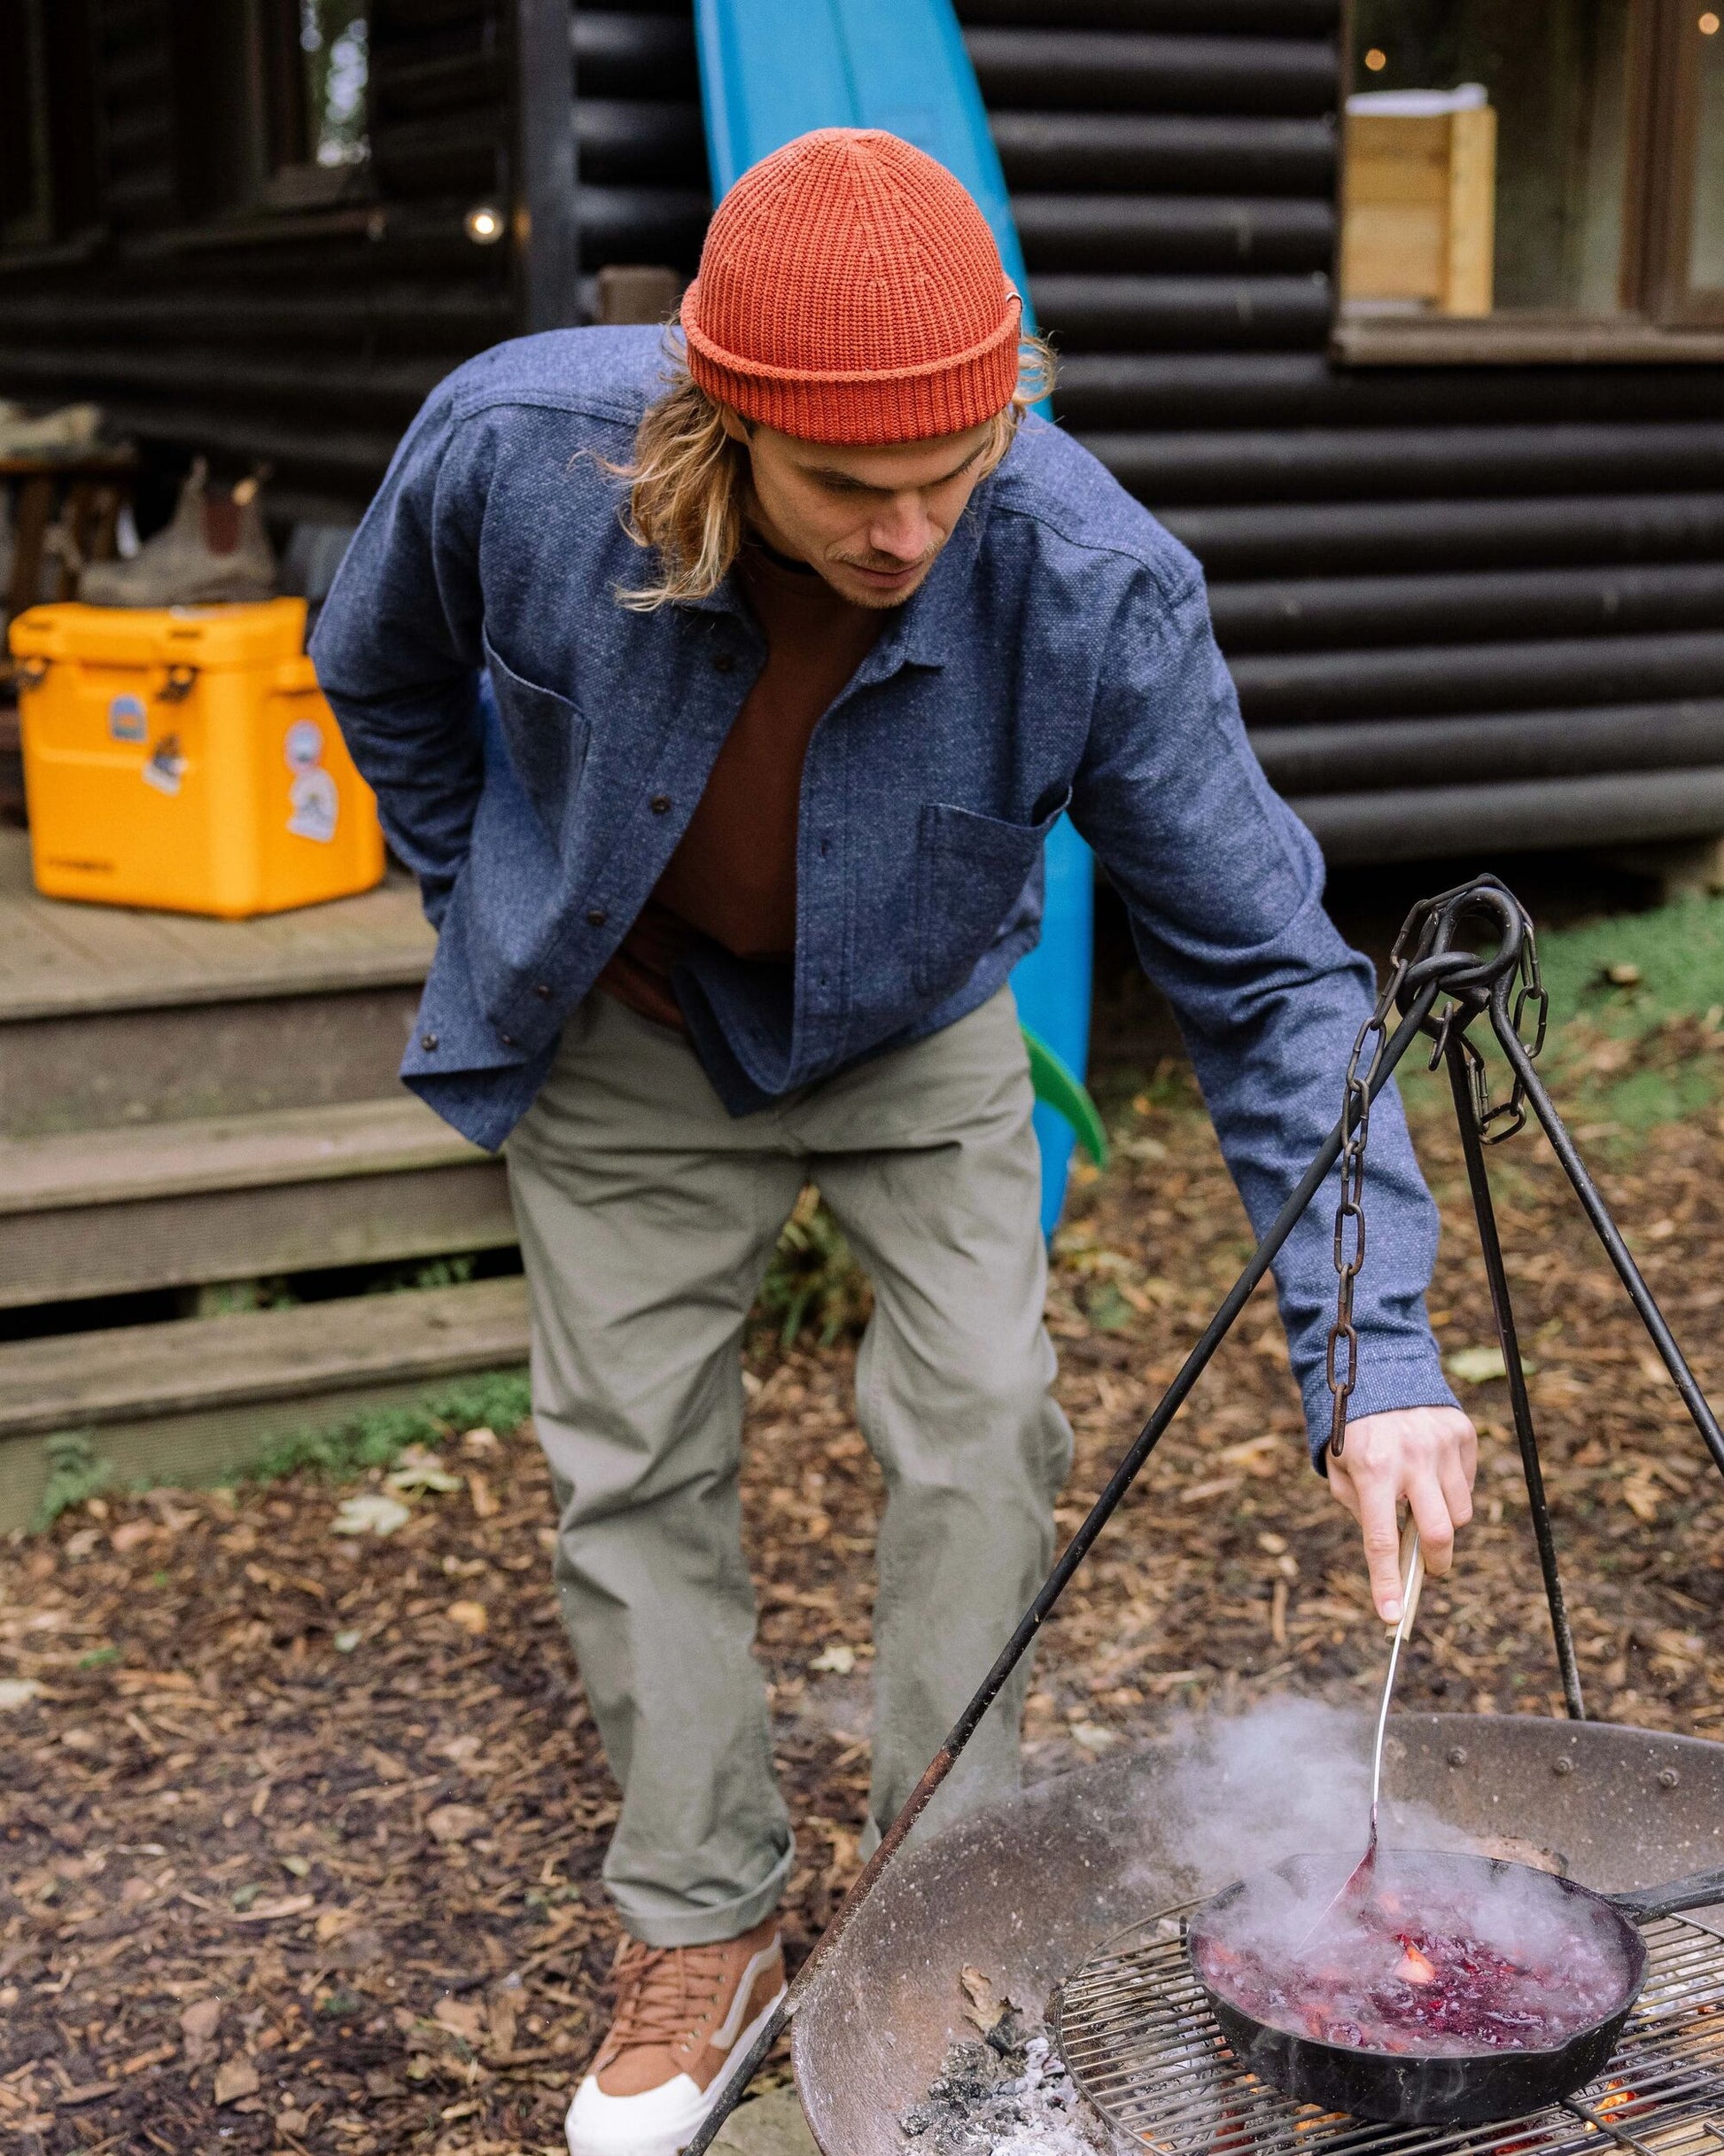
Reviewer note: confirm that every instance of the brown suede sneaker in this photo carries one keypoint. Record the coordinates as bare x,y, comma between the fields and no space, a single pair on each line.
686,2016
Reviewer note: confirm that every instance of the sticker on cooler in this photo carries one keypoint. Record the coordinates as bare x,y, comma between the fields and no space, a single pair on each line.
314,804
129,718
166,766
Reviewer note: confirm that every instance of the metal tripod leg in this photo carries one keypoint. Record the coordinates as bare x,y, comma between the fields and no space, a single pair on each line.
1456,1051
1629,1274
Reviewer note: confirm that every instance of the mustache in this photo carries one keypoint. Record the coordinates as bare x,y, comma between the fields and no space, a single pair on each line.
888,564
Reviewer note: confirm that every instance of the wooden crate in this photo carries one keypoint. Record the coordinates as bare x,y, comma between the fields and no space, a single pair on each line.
1419,208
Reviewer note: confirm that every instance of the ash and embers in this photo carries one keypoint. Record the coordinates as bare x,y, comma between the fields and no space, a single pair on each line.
1009,2095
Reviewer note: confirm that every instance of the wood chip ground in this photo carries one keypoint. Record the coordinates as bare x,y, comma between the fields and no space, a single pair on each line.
299,1833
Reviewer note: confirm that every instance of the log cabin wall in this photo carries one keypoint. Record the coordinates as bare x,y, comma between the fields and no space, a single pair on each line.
306,334
1466,606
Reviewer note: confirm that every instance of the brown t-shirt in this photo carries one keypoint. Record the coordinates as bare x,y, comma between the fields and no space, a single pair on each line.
733,878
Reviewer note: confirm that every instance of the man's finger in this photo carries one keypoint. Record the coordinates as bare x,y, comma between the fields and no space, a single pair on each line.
1341,1489
1382,1540
1456,1491
1436,1529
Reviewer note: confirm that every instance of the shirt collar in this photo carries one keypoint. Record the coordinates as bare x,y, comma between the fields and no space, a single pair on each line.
919,633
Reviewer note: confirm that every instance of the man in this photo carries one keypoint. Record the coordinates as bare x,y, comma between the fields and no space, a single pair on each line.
794,646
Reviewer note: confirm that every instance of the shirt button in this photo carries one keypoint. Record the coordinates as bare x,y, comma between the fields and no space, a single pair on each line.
507,1039
541,989
724,662
428,1041
596,917
661,804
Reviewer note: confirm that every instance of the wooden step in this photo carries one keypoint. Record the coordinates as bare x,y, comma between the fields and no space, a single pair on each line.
234,1197
186,1402
110,1015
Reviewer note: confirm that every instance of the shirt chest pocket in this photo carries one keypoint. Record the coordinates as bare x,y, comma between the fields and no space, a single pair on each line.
545,736
970,873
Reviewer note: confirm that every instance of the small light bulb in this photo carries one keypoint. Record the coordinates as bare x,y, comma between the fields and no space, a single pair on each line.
1376,59
484,224
1709,24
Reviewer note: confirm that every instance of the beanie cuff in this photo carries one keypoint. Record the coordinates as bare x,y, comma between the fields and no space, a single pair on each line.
866,405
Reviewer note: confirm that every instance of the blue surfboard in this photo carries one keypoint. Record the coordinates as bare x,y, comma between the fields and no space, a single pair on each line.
771,70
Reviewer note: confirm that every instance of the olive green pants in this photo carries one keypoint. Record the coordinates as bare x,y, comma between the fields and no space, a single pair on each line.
647,1215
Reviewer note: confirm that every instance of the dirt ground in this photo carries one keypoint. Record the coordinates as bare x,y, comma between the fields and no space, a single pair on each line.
300,1831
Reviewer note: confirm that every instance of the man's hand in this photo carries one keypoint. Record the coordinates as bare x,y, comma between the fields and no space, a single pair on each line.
1427,1455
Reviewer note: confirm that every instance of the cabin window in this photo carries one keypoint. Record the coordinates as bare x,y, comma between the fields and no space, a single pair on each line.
317,70
1533,179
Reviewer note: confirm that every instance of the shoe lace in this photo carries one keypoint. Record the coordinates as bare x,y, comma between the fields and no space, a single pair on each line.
662,1992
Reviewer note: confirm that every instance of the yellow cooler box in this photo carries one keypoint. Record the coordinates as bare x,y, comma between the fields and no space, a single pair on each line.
184,757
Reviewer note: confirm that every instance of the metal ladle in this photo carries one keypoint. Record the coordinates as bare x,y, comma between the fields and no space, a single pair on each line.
1412,1581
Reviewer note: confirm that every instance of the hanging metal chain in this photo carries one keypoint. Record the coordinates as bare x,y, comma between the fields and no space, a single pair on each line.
1350,1213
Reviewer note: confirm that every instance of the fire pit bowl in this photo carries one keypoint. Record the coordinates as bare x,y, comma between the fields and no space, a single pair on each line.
1024,1890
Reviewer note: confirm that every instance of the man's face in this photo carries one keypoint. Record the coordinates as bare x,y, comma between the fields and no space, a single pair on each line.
871,520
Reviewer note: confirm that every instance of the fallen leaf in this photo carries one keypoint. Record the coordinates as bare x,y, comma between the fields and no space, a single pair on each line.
480,1440
416,1469
838,1659
1640,1494
484,1504
464,2017
16,1692
502,2020
456,1823
986,2009
470,1617
343,1643
371,1514
236,2078
131,1534
1481,1365
1093,1737
200,2020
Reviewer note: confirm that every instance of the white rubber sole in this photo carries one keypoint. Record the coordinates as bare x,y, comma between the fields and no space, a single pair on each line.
668,2131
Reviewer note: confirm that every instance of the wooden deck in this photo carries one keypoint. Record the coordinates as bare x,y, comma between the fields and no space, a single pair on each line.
58,958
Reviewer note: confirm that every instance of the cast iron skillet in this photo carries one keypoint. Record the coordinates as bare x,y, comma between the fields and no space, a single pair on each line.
1407,2087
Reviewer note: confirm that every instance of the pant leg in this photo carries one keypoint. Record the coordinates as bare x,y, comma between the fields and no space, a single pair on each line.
646,1217
928,1159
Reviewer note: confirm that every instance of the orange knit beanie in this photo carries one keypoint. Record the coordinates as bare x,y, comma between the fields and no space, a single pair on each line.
851,291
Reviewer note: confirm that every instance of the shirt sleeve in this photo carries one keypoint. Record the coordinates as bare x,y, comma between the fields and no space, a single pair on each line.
1224,889
396,646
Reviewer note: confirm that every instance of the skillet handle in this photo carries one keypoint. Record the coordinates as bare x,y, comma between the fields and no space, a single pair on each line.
1694,1892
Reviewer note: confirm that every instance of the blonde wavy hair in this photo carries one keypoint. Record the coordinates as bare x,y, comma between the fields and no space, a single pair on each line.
688,479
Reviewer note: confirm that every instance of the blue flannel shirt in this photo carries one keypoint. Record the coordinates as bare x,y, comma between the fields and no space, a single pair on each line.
537,750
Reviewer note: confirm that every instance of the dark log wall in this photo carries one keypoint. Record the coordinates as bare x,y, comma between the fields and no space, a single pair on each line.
1465,608
310,337
638,134
1479,606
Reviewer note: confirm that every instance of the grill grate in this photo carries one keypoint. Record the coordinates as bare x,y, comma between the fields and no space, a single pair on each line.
1139,2037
